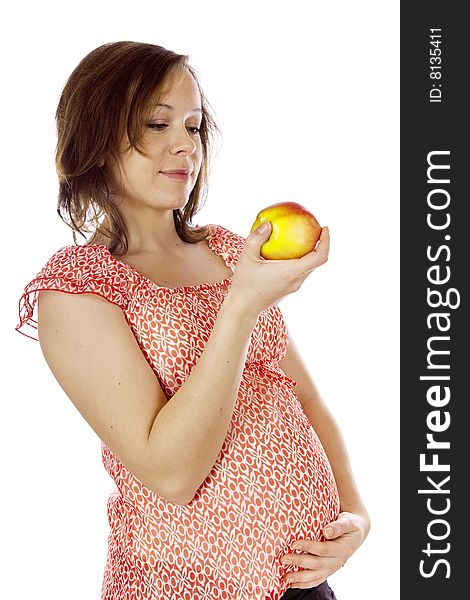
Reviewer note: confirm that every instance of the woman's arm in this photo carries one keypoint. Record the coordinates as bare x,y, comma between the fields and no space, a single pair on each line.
327,430
346,534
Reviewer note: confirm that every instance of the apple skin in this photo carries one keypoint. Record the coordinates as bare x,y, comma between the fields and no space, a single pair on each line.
294,231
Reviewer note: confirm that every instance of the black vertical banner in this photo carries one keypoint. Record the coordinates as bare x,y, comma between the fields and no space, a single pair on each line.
434,263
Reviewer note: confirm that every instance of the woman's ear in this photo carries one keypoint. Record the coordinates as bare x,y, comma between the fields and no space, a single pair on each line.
100,163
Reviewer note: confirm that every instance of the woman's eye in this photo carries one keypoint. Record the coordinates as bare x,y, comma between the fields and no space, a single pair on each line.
157,126
161,127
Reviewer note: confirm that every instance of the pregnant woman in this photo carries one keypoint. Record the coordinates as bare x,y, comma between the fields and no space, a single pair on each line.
169,340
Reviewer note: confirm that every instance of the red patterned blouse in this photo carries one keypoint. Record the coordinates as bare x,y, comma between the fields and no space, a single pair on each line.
271,483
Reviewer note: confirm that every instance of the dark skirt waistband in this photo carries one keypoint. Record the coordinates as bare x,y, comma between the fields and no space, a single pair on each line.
320,592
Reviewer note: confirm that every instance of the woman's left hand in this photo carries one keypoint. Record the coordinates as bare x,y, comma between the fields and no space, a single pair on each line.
343,538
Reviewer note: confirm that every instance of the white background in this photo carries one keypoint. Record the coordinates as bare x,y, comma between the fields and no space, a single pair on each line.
306,95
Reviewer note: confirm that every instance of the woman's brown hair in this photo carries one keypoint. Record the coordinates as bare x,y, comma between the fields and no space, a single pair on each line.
111,92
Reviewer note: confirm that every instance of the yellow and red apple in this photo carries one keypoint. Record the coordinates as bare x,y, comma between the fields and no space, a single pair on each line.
294,230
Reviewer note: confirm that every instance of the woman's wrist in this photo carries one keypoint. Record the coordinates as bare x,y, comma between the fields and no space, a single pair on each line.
239,308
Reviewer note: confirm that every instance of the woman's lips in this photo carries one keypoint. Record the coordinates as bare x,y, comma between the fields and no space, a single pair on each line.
177,176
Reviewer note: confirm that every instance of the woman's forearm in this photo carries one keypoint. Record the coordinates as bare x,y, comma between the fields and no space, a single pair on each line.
190,429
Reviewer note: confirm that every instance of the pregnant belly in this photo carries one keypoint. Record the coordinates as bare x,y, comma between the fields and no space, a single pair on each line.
271,484
276,467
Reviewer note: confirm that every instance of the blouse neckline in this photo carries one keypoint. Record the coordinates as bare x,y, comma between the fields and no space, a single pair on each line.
180,288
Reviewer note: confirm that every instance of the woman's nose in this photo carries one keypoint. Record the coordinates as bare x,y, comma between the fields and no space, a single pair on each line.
183,142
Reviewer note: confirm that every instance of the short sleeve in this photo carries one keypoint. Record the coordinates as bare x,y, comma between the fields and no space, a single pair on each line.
227,244
74,270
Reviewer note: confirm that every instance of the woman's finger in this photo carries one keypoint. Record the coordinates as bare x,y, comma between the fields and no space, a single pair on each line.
306,561
318,255
307,579
317,548
345,523
323,246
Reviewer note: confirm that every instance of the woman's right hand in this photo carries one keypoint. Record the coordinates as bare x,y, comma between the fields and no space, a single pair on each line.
259,283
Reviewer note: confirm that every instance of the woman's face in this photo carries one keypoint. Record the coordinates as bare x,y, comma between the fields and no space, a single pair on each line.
171,141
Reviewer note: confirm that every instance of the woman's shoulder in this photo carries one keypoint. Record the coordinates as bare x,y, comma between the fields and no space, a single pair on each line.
82,263
73,257
74,269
